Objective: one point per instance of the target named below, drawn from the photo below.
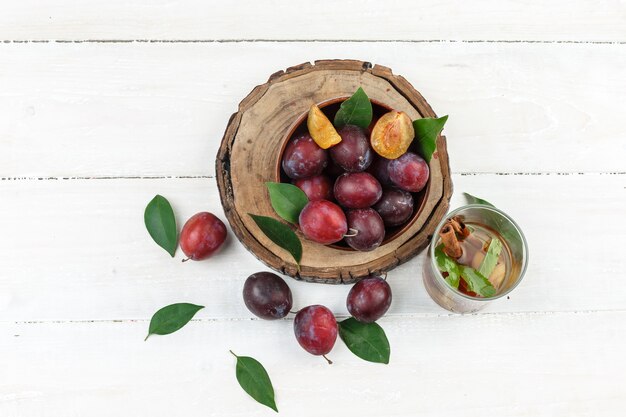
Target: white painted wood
(80, 277)
(532, 365)
(78, 249)
(160, 109)
(560, 20)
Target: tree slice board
(252, 143)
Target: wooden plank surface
(533, 365)
(112, 103)
(79, 250)
(161, 109)
(512, 20)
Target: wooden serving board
(251, 147)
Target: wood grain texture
(514, 20)
(531, 365)
(161, 109)
(78, 249)
(251, 151)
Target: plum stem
(353, 232)
(327, 360)
(185, 260)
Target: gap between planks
(186, 177)
(521, 41)
(337, 316)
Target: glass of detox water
(484, 257)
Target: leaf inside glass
(491, 257)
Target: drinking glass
(505, 228)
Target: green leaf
(476, 282)
(288, 200)
(280, 234)
(491, 257)
(475, 200)
(366, 340)
(426, 132)
(161, 223)
(507, 230)
(171, 318)
(449, 265)
(357, 110)
(254, 380)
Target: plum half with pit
(409, 172)
(202, 235)
(323, 222)
(353, 153)
(267, 296)
(369, 299)
(366, 229)
(303, 158)
(357, 190)
(315, 328)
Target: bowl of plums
(334, 171)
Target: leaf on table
(449, 265)
(509, 232)
(366, 340)
(426, 131)
(475, 200)
(161, 223)
(287, 200)
(172, 318)
(491, 258)
(280, 234)
(254, 380)
(357, 110)
(476, 282)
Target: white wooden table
(103, 106)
